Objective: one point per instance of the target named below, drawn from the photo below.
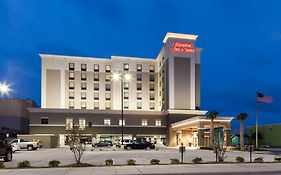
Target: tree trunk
(241, 134)
(212, 134)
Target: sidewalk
(275, 168)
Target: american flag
(263, 98)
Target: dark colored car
(6, 151)
(140, 145)
(103, 144)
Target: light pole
(4, 89)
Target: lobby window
(139, 105)
(151, 96)
(96, 86)
(151, 87)
(152, 106)
(126, 105)
(143, 122)
(139, 95)
(96, 77)
(158, 122)
(126, 95)
(96, 68)
(83, 105)
(151, 77)
(126, 66)
(83, 76)
(107, 87)
(96, 105)
(151, 68)
(83, 95)
(71, 66)
(71, 105)
(139, 67)
(83, 67)
(96, 95)
(71, 75)
(107, 105)
(126, 85)
(44, 120)
(139, 86)
(83, 86)
(139, 77)
(107, 96)
(71, 85)
(120, 122)
(90, 124)
(82, 124)
(69, 124)
(107, 121)
(71, 95)
(107, 77)
(107, 68)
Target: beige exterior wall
(53, 88)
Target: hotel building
(161, 100)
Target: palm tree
(241, 117)
(212, 115)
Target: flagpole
(257, 108)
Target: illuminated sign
(182, 47)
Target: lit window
(83, 86)
(152, 106)
(71, 75)
(151, 77)
(107, 77)
(126, 95)
(139, 67)
(83, 76)
(71, 105)
(107, 96)
(107, 105)
(83, 95)
(69, 124)
(126, 85)
(96, 67)
(151, 87)
(139, 77)
(139, 86)
(83, 67)
(83, 105)
(82, 123)
(139, 95)
(106, 122)
(144, 122)
(96, 95)
(107, 87)
(139, 105)
(120, 122)
(96, 77)
(96, 86)
(44, 120)
(157, 122)
(96, 105)
(151, 96)
(126, 66)
(71, 95)
(71, 85)
(107, 68)
(126, 105)
(151, 68)
(71, 66)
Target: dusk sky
(241, 41)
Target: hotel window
(151, 68)
(139, 105)
(126, 66)
(107, 87)
(139, 77)
(160, 93)
(83, 86)
(71, 75)
(157, 122)
(139, 95)
(96, 86)
(96, 67)
(151, 96)
(151, 87)
(107, 68)
(44, 120)
(107, 96)
(107, 105)
(71, 95)
(90, 124)
(143, 122)
(69, 124)
(139, 86)
(83, 95)
(96, 105)
(83, 67)
(96, 77)
(151, 77)
(126, 95)
(96, 95)
(83, 76)
(106, 121)
(160, 83)
(71, 105)
(152, 106)
(83, 105)
(126, 105)
(120, 122)
(71, 66)
(71, 85)
(82, 124)
(107, 77)
(139, 67)
(126, 85)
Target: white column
(192, 83)
(62, 89)
(171, 81)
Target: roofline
(179, 36)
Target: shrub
(24, 164)
(197, 160)
(240, 159)
(277, 159)
(175, 161)
(258, 160)
(206, 148)
(108, 162)
(131, 162)
(54, 163)
(243, 149)
(2, 165)
(154, 161)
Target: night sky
(241, 41)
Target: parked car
(15, 148)
(104, 143)
(6, 151)
(140, 145)
(125, 142)
(25, 144)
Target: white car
(125, 142)
(25, 144)
(15, 148)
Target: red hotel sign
(182, 47)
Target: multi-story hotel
(161, 97)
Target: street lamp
(123, 77)
(4, 89)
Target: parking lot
(97, 156)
